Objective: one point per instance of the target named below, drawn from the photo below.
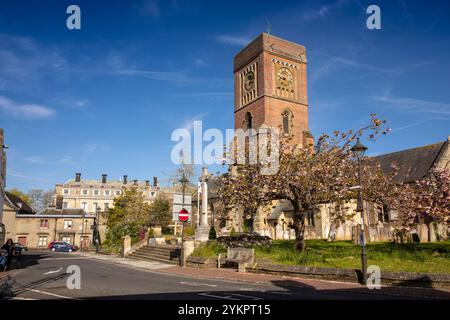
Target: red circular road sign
(183, 215)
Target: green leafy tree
(128, 215)
(160, 213)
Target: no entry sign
(183, 215)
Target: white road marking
(73, 258)
(53, 271)
(246, 296)
(252, 289)
(52, 294)
(198, 284)
(20, 298)
(214, 296)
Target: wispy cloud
(25, 111)
(203, 95)
(151, 8)
(415, 105)
(239, 41)
(189, 123)
(84, 153)
(333, 63)
(24, 62)
(13, 173)
(200, 62)
(35, 160)
(323, 11)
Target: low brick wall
(427, 280)
(407, 279)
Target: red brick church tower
(270, 87)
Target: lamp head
(359, 149)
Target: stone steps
(165, 254)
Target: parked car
(63, 247)
(19, 248)
(50, 245)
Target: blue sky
(106, 98)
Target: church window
(248, 120)
(287, 117)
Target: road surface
(43, 275)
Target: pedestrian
(3, 259)
(10, 249)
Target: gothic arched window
(248, 120)
(287, 121)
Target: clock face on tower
(249, 81)
(284, 79)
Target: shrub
(188, 231)
(244, 240)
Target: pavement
(45, 275)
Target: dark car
(19, 248)
(63, 247)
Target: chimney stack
(135, 182)
(147, 183)
(104, 178)
(155, 181)
(125, 179)
(77, 177)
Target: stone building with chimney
(90, 194)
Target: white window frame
(66, 193)
(65, 205)
(68, 224)
(42, 241)
(118, 192)
(83, 192)
(107, 193)
(96, 192)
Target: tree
(187, 169)
(21, 195)
(160, 213)
(427, 200)
(39, 198)
(127, 216)
(307, 177)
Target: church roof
(282, 206)
(413, 164)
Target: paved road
(43, 276)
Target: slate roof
(54, 211)
(413, 164)
(282, 206)
(18, 203)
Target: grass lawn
(410, 257)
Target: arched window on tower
(287, 121)
(248, 120)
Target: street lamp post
(358, 151)
(96, 239)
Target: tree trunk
(299, 226)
